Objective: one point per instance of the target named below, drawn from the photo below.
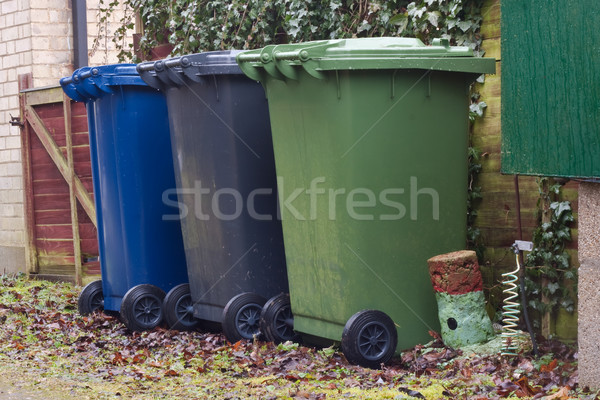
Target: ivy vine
(474, 239)
(204, 25)
(549, 258)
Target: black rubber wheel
(277, 320)
(241, 317)
(178, 309)
(141, 307)
(91, 298)
(369, 338)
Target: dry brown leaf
(562, 394)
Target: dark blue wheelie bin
(225, 171)
(141, 251)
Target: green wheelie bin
(370, 139)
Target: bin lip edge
(470, 65)
(201, 62)
(101, 77)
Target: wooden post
(72, 196)
(26, 82)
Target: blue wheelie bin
(141, 252)
(225, 172)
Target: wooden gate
(60, 217)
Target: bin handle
(78, 77)
(160, 64)
(87, 74)
(273, 62)
(245, 57)
(149, 66)
(287, 69)
(299, 55)
(177, 62)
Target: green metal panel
(551, 87)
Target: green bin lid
(283, 61)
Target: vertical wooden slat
(71, 182)
(25, 82)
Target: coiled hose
(511, 311)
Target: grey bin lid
(176, 71)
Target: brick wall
(36, 36)
(15, 59)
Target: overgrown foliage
(549, 259)
(46, 345)
(204, 25)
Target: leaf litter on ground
(47, 344)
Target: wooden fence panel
(62, 239)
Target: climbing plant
(549, 278)
(203, 25)
(474, 241)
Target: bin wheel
(241, 317)
(91, 298)
(277, 320)
(369, 338)
(141, 307)
(178, 309)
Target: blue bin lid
(89, 83)
(176, 71)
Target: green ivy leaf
(400, 20)
(434, 17)
(414, 11)
(465, 25)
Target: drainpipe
(80, 46)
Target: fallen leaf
(410, 392)
(549, 367)
(155, 364)
(562, 394)
(526, 390)
(117, 359)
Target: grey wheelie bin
(226, 193)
